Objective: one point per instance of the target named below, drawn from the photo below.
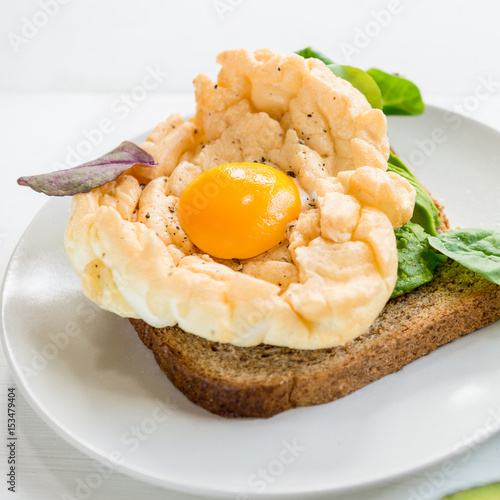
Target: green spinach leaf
(358, 78)
(425, 212)
(400, 96)
(361, 80)
(416, 260)
(475, 248)
(392, 94)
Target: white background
(82, 67)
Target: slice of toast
(264, 380)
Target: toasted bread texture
(264, 380)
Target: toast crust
(262, 381)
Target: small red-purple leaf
(90, 175)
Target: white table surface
(64, 81)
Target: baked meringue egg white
(269, 218)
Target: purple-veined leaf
(90, 175)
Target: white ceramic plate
(91, 379)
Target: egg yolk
(238, 210)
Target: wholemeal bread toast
(264, 380)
